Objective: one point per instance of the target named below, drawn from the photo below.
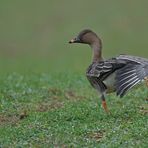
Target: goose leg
(146, 80)
(104, 105)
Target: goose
(118, 74)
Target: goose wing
(98, 72)
(133, 73)
(104, 68)
(136, 59)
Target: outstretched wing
(135, 59)
(130, 70)
(103, 69)
(98, 72)
(131, 74)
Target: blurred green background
(34, 34)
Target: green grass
(42, 110)
(45, 99)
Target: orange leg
(105, 106)
(146, 80)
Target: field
(45, 98)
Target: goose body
(117, 74)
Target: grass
(45, 99)
(53, 110)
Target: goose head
(86, 36)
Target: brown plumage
(117, 74)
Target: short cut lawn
(62, 110)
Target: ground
(43, 109)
